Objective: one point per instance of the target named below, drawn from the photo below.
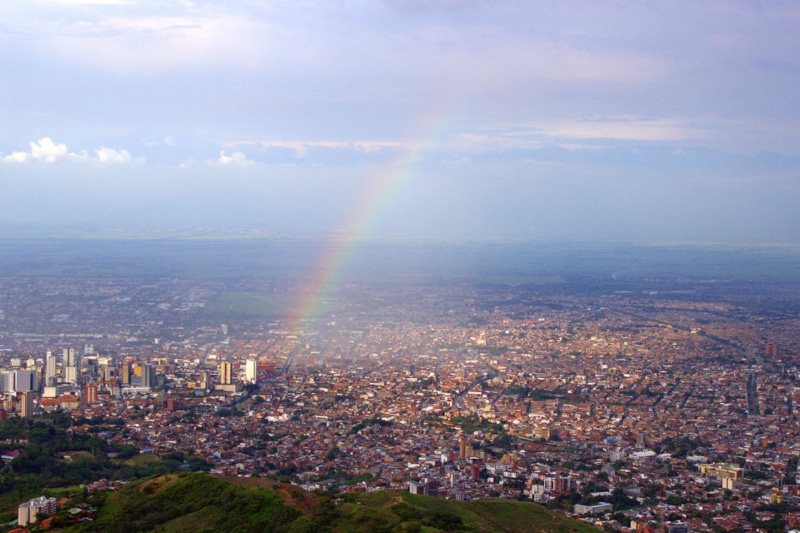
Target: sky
(630, 120)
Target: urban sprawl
(639, 405)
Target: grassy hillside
(204, 503)
(190, 502)
(401, 511)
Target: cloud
(622, 128)
(47, 151)
(109, 155)
(301, 148)
(235, 159)
(147, 40)
(591, 133)
(16, 157)
(43, 150)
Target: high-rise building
(171, 403)
(108, 373)
(225, 372)
(148, 375)
(50, 370)
(25, 380)
(70, 374)
(251, 371)
(90, 393)
(465, 448)
(126, 374)
(26, 404)
(70, 370)
(7, 381)
(772, 349)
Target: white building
(251, 371)
(599, 508)
(26, 513)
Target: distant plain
(294, 260)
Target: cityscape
(399, 266)
(628, 402)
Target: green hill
(204, 503)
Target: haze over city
(637, 121)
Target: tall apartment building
(26, 512)
(225, 373)
(26, 404)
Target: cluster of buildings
(685, 399)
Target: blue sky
(636, 120)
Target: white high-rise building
(251, 371)
(71, 374)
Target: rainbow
(374, 198)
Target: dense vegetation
(53, 454)
(190, 502)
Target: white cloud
(236, 158)
(43, 150)
(373, 146)
(109, 155)
(623, 128)
(581, 133)
(48, 151)
(16, 157)
(81, 157)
